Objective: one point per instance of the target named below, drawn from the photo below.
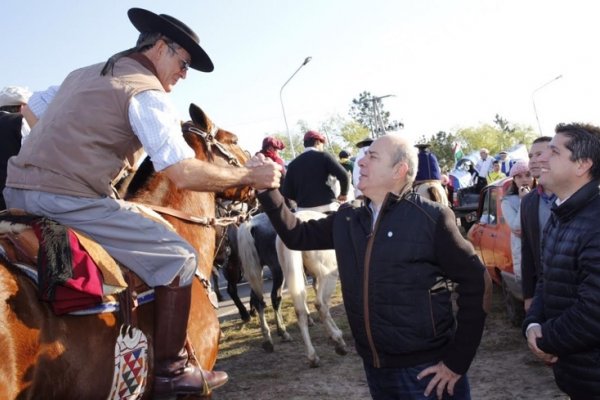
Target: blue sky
(448, 63)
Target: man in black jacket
(306, 180)
(563, 324)
(535, 211)
(396, 255)
(13, 128)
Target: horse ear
(198, 116)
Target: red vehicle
(490, 235)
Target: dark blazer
(531, 263)
(10, 137)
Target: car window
(489, 212)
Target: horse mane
(140, 178)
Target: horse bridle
(210, 139)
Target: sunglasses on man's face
(183, 63)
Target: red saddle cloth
(68, 277)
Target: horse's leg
(291, 264)
(325, 290)
(215, 279)
(276, 291)
(253, 273)
(233, 293)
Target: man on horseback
(93, 129)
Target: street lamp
(533, 100)
(306, 60)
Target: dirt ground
(503, 369)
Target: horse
(256, 248)
(322, 266)
(432, 190)
(227, 259)
(72, 357)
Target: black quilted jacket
(399, 311)
(567, 298)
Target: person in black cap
(98, 121)
(346, 162)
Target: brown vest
(84, 139)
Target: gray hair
(405, 152)
(145, 41)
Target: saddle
(72, 271)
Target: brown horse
(72, 357)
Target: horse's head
(218, 146)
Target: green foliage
(501, 136)
(362, 111)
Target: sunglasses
(184, 64)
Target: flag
(457, 150)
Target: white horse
(322, 266)
(432, 190)
(256, 248)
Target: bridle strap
(211, 141)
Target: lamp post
(533, 100)
(306, 60)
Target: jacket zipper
(376, 362)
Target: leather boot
(172, 372)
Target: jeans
(402, 384)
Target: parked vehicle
(490, 235)
(465, 195)
(466, 190)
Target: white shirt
(483, 167)
(154, 121)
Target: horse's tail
(248, 255)
(434, 194)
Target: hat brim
(364, 143)
(147, 21)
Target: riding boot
(172, 372)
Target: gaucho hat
(180, 33)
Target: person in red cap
(306, 180)
(95, 126)
(270, 149)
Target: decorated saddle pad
(74, 272)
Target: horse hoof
(341, 349)
(268, 347)
(316, 363)
(286, 337)
(310, 321)
(245, 317)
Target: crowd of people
(399, 254)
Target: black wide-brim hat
(177, 31)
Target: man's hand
(533, 333)
(264, 173)
(444, 379)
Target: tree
(368, 111)
(501, 136)
(442, 144)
